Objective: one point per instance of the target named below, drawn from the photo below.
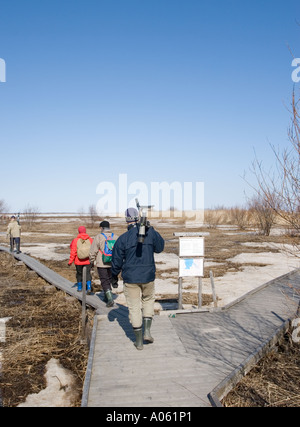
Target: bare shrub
(3, 206)
(281, 188)
(3, 210)
(212, 218)
(93, 216)
(239, 216)
(263, 213)
(30, 215)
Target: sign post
(191, 262)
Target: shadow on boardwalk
(196, 357)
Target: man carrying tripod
(134, 257)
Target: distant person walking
(103, 262)
(136, 262)
(79, 254)
(14, 234)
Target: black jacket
(134, 259)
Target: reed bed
(45, 323)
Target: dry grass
(43, 325)
(273, 382)
(46, 325)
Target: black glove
(114, 281)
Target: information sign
(191, 267)
(191, 246)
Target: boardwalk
(58, 281)
(192, 354)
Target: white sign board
(191, 267)
(191, 246)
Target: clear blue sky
(160, 90)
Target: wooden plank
(58, 281)
(135, 371)
(191, 353)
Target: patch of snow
(46, 234)
(60, 390)
(46, 251)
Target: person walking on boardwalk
(102, 259)
(136, 262)
(14, 234)
(79, 254)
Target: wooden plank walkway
(58, 281)
(192, 352)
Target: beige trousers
(140, 299)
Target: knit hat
(81, 229)
(131, 215)
(104, 224)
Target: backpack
(83, 248)
(108, 247)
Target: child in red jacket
(79, 253)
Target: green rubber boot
(147, 322)
(138, 332)
(109, 299)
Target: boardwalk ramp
(192, 354)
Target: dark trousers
(79, 269)
(13, 241)
(105, 278)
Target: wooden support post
(199, 292)
(213, 288)
(83, 318)
(180, 293)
